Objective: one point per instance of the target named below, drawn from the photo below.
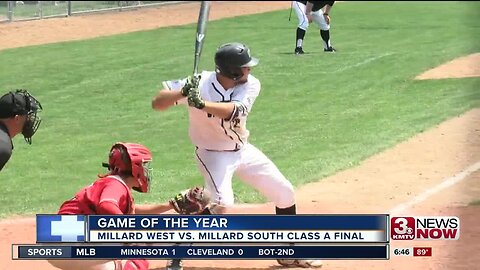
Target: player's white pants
(319, 19)
(302, 17)
(252, 167)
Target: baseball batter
(219, 103)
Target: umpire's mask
(31, 108)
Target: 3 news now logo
(425, 228)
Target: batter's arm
(244, 100)
(165, 99)
(221, 110)
(240, 105)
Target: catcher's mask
(134, 160)
(21, 102)
(230, 58)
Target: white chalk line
(445, 183)
(366, 61)
(313, 72)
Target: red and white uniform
(110, 189)
(106, 189)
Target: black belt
(211, 150)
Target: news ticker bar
(43, 252)
(213, 228)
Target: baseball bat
(200, 37)
(291, 7)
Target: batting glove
(195, 100)
(192, 82)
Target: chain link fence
(32, 10)
(4, 8)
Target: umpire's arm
(5, 153)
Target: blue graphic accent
(60, 228)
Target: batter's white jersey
(222, 144)
(210, 132)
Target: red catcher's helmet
(132, 159)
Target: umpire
(18, 114)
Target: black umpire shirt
(317, 5)
(6, 146)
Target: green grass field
(317, 113)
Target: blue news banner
(213, 229)
(352, 237)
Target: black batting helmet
(231, 57)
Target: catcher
(129, 168)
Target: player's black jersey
(303, 2)
(317, 5)
(6, 146)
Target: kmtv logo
(425, 228)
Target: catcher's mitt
(191, 201)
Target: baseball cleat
(299, 50)
(300, 263)
(174, 264)
(330, 49)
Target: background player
(110, 194)
(18, 114)
(219, 103)
(318, 12)
(300, 7)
